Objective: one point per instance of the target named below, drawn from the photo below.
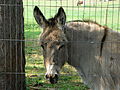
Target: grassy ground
(35, 76)
(34, 61)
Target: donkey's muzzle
(52, 79)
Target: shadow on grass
(38, 84)
(35, 68)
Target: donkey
(79, 3)
(93, 49)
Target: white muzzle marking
(51, 70)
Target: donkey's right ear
(39, 17)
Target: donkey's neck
(82, 37)
(84, 46)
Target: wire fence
(104, 12)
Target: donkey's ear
(39, 17)
(60, 17)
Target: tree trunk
(12, 58)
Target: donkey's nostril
(54, 79)
(46, 76)
(56, 76)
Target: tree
(12, 58)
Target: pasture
(102, 12)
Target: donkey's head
(53, 42)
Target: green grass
(34, 61)
(95, 13)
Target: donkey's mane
(86, 21)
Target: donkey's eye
(61, 47)
(42, 46)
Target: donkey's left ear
(39, 17)
(60, 17)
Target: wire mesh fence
(104, 12)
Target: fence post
(12, 58)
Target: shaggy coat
(93, 49)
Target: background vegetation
(105, 13)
